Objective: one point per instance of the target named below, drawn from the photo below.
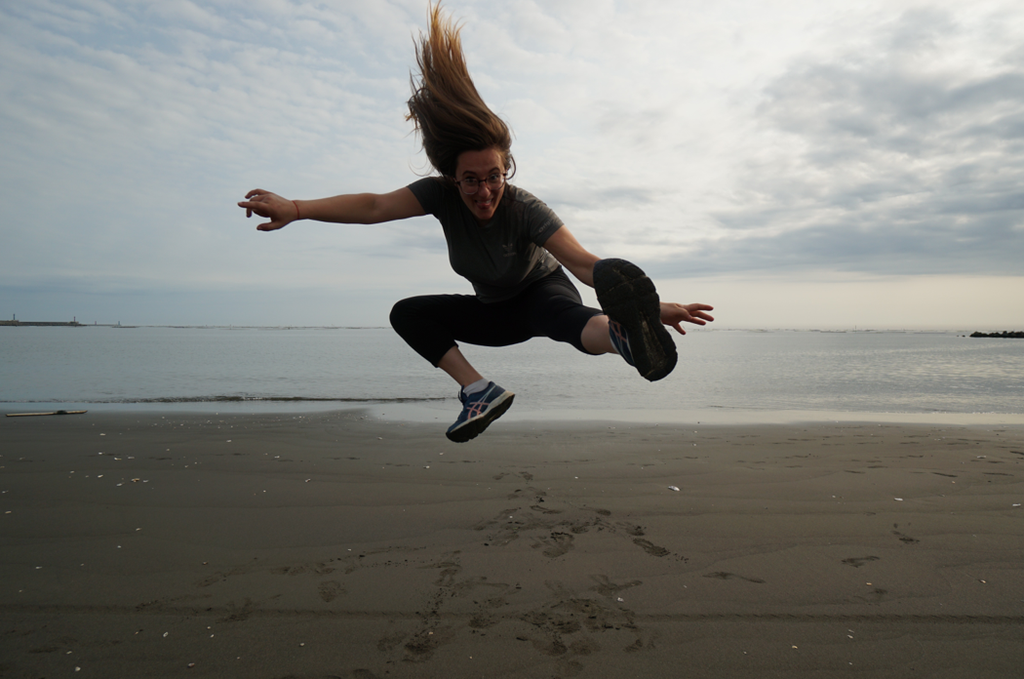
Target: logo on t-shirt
(510, 249)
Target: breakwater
(69, 324)
(1016, 334)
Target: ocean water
(742, 375)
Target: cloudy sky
(795, 163)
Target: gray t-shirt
(505, 255)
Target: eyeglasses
(471, 185)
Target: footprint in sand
(481, 621)
(555, 546)
(301, 569)
(606, 587)
(363, 674)
(544, 510)
(221, 576)
(722, 575)
(905, 539)
(238, 613)
(858, 561)
(650, 547)
(579, 527)
(331, 590)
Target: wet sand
(336, 545)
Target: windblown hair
(445, 107)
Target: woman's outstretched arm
(353, 208)
(570, 254)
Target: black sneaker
(628, 296)
(479, 409)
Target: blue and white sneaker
(479, 409)
(620, 340)
(628, 296)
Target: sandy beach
(338, 545)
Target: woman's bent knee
(403, 314)
(414, 322)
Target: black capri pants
(550, 307)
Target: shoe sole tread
(628, 296)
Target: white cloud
(892, 161)
(712, 139)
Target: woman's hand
(278, 210)
(673, 314)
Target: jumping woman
(507, 243)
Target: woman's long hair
(445, 106)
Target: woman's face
(480, 165)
